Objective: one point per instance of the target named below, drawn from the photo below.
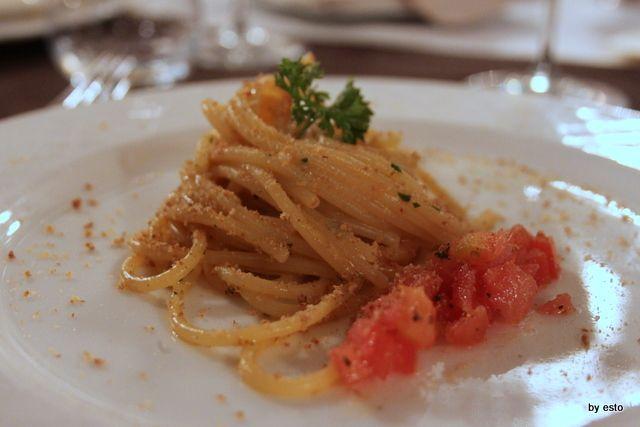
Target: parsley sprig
(349, 113)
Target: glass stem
(545, 61)
(239, 10)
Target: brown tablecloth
(29, 80)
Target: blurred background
(78, 52)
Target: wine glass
(544, 79)
(128, 44)
(227, 39)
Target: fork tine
(123, 84)
(72, 97)
(108, 77)
(97, 86)
(117, 84)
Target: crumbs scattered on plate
(98, 362)
(74, 300)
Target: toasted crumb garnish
(145, 405)
(92, 202)
(149, 328)
(88, 186)
(75, 300)
(54, 353)
(68, 275)
(27, 273)
(586, 342)
(239, 415)
(26, 294)
(118, 242)
(95, 361)
(11, 255)
(90, 246)
(76, 203)
(49, 229)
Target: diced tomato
(520, 237)
(560, 305)
(510, 291)
(482, 249)
(464, 288)
(542, 252)
(421, 276)
(446, 310)
(372, 351)
(469, 329)
(454, 295)
(271, 103)
(387, 337)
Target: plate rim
(187, 91)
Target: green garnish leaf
(404, 197)
(396, 167)
(349, 113)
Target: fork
(108, 76)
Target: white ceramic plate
(537, 373)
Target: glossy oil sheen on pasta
(303, 229)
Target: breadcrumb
(90, 246)
(586, 342)
(75, 300)
(92, 202)
(68, 275)
(54, 353)
(118, 242)
(11, 255)
(27, 273)
(239, 415)
(91, 359)
(26, 294)
(149, 328)
(145, 405)
(88, 186)
(76, 203)
(221, 398)
(49, 229)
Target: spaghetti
(302, 228)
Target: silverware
(108, 76)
